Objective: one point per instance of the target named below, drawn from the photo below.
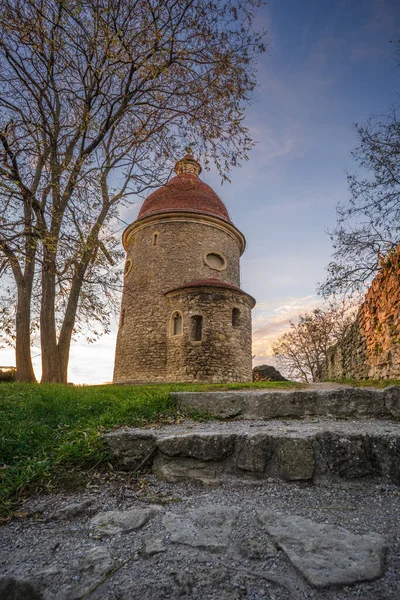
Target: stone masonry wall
(224, 352)
(152, 270)
(371, 348)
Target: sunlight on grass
(49, 431)
(51, 434)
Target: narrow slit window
(197, 328)
(122, 317)
(235, 317)
(177, 324)
(155, 239)
(128, 267)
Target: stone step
(307, 449)
(344, 402)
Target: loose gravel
(52, 546)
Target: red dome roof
(184, 193)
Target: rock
(348, 457)
(185, 468)
(95, 566)
(113, 522)
(71, 511)
(267, 373)
(152, 544)
(8, 373)
(205, 446)
(13, 588)
(384, 454)
(324, 554)
(392, 400)
(296, 459)
(207, 527)
(133, 448)
(353, 402)
(256, 404)
(253, 451)
(225, 405)
(97, 562)
(302, 449)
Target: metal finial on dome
(188, 164)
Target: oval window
(215, 261)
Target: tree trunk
(64, 342)
(23, 357)
(55, 356)
(51, 372)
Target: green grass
(50, 434)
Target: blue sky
(328, 65)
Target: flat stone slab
(341, 402)
(324, 554)
(206, 527)
(306, 449)
(112, 522)
(94, 566)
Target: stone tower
(183, 315)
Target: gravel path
(54, 550)
(306, 427)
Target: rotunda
(183, 317)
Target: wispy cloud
(272, 320)
(275, 142)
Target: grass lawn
(50, 434)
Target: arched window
(235, 317)
(197, 328)
(176, 325)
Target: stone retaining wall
(294, 451)
(371, 348)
